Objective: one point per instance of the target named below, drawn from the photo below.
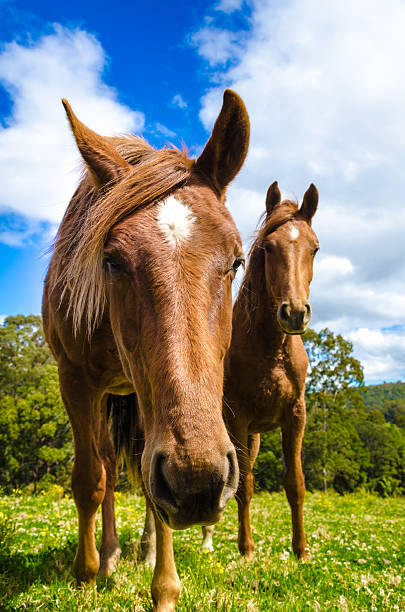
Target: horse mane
(253, 288)
(78, 272)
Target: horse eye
(315, 251)
(111, 265)
(237, 263)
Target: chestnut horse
(138, 298)
(266, 365)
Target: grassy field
(357, 545)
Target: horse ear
(309, 203)
(104, 163)
(227, 147)
(273, 197)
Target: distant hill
(388, 398)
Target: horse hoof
(164, 607)
(165, 596)
(85, 578)
(247, 552)
(248, 556)
(301, 556)
(148, 554)
(150, 560)
(109, 562)
(301, 552)
(85, 570)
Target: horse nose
(294, 318)
(186, 496)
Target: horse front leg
(166, 585)
(207, 543)
(110, 547)
(148, 539)
(294, 483)
(88, 474)
(247, 454)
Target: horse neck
(255, 324)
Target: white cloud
(165, 131)
(229, 6)
(382, 353)
(179, 101)
(15, 230)
(215, 45)
(37, 152)
(332, 266)
(323, 84)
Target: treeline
(389, 399)
(355, 435)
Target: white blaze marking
(294, 233)
(175, 220)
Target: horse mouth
(294, 332)
(291, 331)
(178, 521)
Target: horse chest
(273, 395)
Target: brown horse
(138, 298)
(266, 365)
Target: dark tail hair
(126, 428)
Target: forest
(355, 434)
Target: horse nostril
(285, 311)
(231, 481)
(159, 485)
(308, 312)
(233, 475)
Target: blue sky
(323, 84)
(149, 52)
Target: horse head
(156, 258)
(290, 244)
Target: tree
(35, 435)
(332, 449)
(333, 368)
(389, 399)
(385, 444)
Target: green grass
(356, 542)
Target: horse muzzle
(192, 495)
(294, 319)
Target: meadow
(357, 549)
